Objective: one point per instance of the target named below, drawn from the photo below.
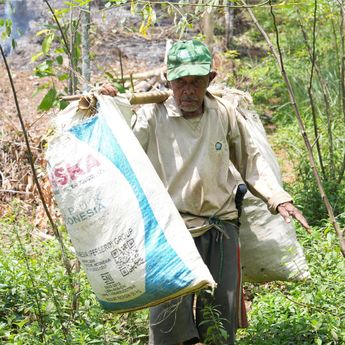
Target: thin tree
(85, 45)
(279, 58)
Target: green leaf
(318, 341)
(48, 100)
(8, 27)
(63, 104)
(44, 69)
(119, 87)
(22, 323)
(59, 50)
(47, 42)
(59, 59)
(40, 88)
(35, 57)
(63, 76)
(41, 32)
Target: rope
(219, 225)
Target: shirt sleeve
(141, 128)
(252, 165)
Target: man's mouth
(189, 100)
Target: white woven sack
(127, 233)
(269, 247)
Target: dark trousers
(175, 321)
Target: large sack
(269, 247)
(127, 233)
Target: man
(191, 139)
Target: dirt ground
(109, 36)
(112, 32)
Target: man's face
(189, 94)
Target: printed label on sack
(115, 259)
(113, 212)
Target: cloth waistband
(209, 223)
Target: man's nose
(189, 90)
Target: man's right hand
(108, 90)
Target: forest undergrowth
(38, 306)
(40, 303)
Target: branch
(278, 56)
(31, 162)
(189, 4)
(68, 49)
(311, 97)
(60, 29)
(342, 53)
(85, 47)
(342, 171)
(325, 92)
(14, 191)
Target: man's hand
(108, 90)
(287, 210)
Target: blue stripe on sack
(166, 273)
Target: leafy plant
(309, 312)
(216, 333)
(313, 64)
(35, 299)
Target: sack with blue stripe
(126, 231)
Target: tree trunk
(85, 46)
(208, 28)
(229, 25)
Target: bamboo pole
(140, 97)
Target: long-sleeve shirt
(192, 157)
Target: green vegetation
(41, 304)
(37, 304)
(309, 312)
(36, 301)
(312, 63)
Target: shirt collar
(174, 111)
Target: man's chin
(189, 109)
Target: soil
(113, 34)
(109, 35)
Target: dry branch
(311, 52)
(31, 162)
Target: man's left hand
(287, 210)
(108, 90)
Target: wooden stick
(14, 191)
(148, 97)
(139, 97)
(134, 98)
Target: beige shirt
(192, 158)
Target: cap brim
(185, 70)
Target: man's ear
(212, 75)
(166, 78)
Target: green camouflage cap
(188, 58)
